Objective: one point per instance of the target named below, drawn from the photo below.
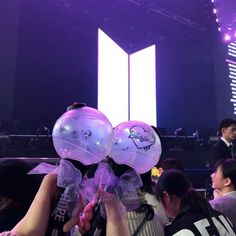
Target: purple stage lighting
(231, 61)
(226, 14)
(227, 37)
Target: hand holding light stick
(81, 136)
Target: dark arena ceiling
(134, 22)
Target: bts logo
(126, 83)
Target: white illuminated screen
(126, 84)
(112, 79)
(143, 85)
(232, 72)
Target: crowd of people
(169, 207)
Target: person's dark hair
(16, 184)
(156, 130)
(228, 168)
(148, 185)
(119, 169)
(17, 191)
(174, 182)
(225, 123)
(171, 163)
(194, 202)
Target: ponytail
(194, 202)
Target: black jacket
(188, 223)
(220, 151)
